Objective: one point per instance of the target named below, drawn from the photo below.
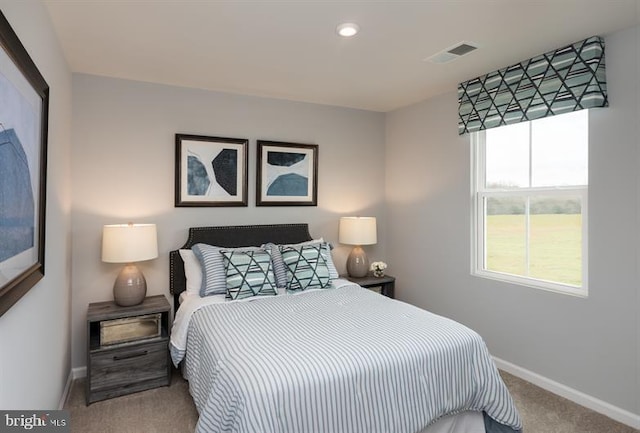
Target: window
(530, 202)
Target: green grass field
(555, 246)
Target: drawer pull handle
(129, 356)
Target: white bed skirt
(465, 422)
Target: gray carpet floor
(171, 410)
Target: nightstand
(127, 348)
(383, 285)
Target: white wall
(123, 170)
(35, 332)
(587, 344)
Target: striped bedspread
(336, 360)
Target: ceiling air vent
(452, 53)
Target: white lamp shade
(358, 231)
(128, 243)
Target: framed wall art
(24, 115)
(211, 171)
(287, 174)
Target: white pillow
(192, 272)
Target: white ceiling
(289, 49)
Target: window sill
(563, 289)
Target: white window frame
(478, 229)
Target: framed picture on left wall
(24, 111)
(211, 171)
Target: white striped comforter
(333, 361)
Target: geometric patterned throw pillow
(249, 273)
(280, 269)
(306, 267)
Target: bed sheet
(335, 360)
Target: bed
(325, 360)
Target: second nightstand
(383, 285)
(127, 347)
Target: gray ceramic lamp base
(357, 263)
(130, 287)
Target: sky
(559, 153)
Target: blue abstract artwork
(17, 207)
(19, 174)
(291, 184)
(225, 170)
(197, 180)
(288, 174)
(212, 171)
(24, 113)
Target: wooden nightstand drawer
(140, 360)
(128, 365)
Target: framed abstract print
(211, 171)
(24, 115)
(287, 174)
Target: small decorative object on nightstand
(384, 285)
(378, 269)
(127, 348)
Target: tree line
(537, 206)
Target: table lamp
(357, 231)
(129, 243)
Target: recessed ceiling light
(347, 30)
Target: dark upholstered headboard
(231, 236)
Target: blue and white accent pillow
(248, 274)
(280, 269)
(214, 275)
(306, 267)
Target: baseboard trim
(79, 372)
(597, 405)
(65, 391)
(75, 373)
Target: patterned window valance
(564, 80)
